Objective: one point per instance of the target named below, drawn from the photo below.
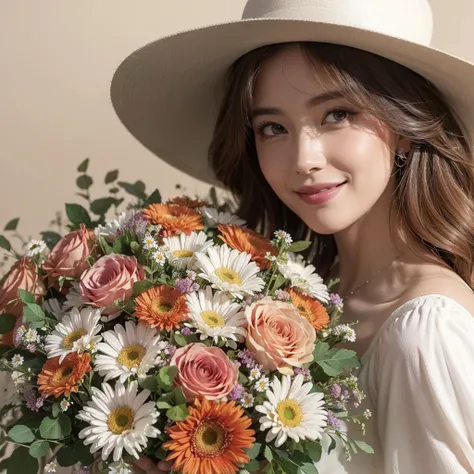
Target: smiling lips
(319, 193)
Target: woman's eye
(271, 129)
(337, 116)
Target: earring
(400, 157)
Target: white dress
(418, 374)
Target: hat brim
(167, 93)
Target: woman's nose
(309, 155)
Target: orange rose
(69, 256)
(23, 275)
(278, 336)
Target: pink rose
(204, 372)
(69, 256)
(110, 280)
(278, 336)
(23, 275)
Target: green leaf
(67, 456)
(39, 449)
(5, 243)
(141, 286)
(335, 361)
(165, 377)
(25, 296)
(21, 462)
(13, 224)
(105, 247)
(83, 453)
(120, 245)
(178, 413)
(162, 405)
(153, 198)
(136, 189)
(82, 168)
(252, 466)
(7, 322)
(77, 214)
(84, 182)
(21, 434)
(51, 238)
(254, 451)
(267, 452)
(102, 205)
(55, 428)
(299, 246)
(314, 450)
(148, 383)
(180, 339)
(55, 410)
(135, 247)
(179, 396)
(111, 176)
(34, 314)
(364, 447)
(280, 281)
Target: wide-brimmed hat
(167, 93)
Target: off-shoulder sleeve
(424, 369)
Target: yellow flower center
(120, 420)
(183, 253)
(131, 356)
(229, 276)
(210, 439)
(161, 306)
(72, 337)
(213, 319)
(290, 413)
(61, 375)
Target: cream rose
(279, 338)
(204, 372)
(69, 256)
(23, 275)
(110, 280)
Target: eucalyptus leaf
(7, 323)
(5, 243)
(364, 447)
(335, 361)
(39, 448)
(165, 377)
(84, 181)
(21, 462)
(13, 224)
(34, 315)
(55, 428)
(25, 296)
(21, 434)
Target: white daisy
(54, 306)
(213, 217)
(73, 298)
(17, 361)
(230, 270)
(64, 405)
(183, 247)
(120, 467)
(292, 412)
(216, 316)
(262, 384)
(112, 228)
(50, 467)
(35, 247)
(304, 277)
(149, 242)
(119, 419)
(345, 331)
(77, 332)
(127, 351)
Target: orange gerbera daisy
(311, 309)
(58, 379)
(211, 440)
(247, 240)
(174, 219)
(187, 202)
(161, 307)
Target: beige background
(57, 59)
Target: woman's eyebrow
(312, 102)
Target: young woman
(333, 127)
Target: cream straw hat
(167, 93)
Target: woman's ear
(404, 145)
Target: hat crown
(411, 20)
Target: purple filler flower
(237, 393)
(186, 286)
(33, 402)
(334, 422)
(336, 300)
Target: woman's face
(327, 161)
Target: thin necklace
(366, 282)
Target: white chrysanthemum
(119, 419)
(35, 247)
(213, 217)
(183, 247)
(120, 467)
(230, 270)
(129, 350)
(292, 412)
(77, 332)
(304, 277)
(114, 226)
(216, 316)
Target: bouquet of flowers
(172, 331)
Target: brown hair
(435, 184)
